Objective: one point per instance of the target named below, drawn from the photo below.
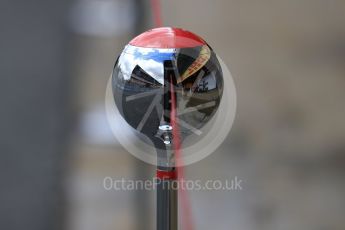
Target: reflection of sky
(211, 81)
(149, 59)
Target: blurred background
(287, 143)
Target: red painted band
(166, 175)
(167, 37)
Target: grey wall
(34, 113)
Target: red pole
(157, 13)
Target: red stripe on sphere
(167, 37)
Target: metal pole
(167, 204)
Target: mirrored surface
(142, 80)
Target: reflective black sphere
(142, 83)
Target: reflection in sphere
(142, 80)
